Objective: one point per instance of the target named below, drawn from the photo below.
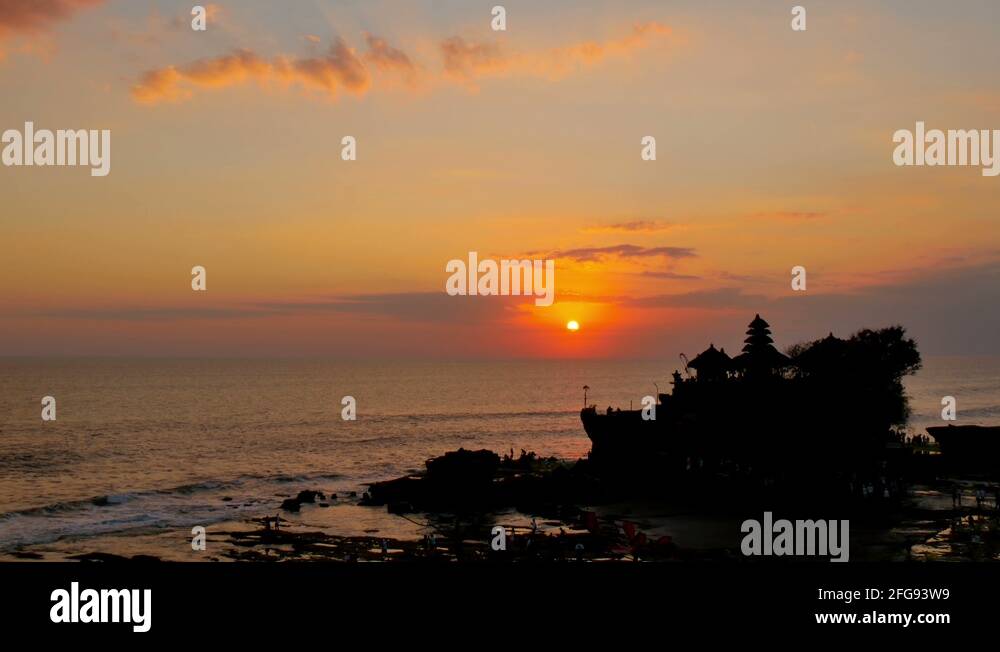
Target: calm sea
(153, 444)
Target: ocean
(144, 445)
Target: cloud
(340, 69)
(411, 306)
(467, 61)
(669, 275)
(147, 313)
(344, 68)
(386, 58)
(462, 59)
(213, 12)
(716, 299)
(744, 278)
(648, 226)
(575, 296)
(947, 310)
(36, 16)
(427, 307)
(590, 254)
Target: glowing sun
(573, 325)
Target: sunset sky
(774, 149)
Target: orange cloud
(631, 227)
(463, 59)
(468, 61)
(387, 58)
(37, 15)
(592, 254)
(341, 68)
(213, 12)
(34, 16)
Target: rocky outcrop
(307, 496)
(478, 481)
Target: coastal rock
(480, 481)
(392, 491)
(309, 496)
(463, 467)
(306, 496)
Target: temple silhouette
(758, 359)
(827, 412)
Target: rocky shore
(477, 506)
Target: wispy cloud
(720, 298)
(343, 68)
(408, 306)
(405, 306)
(591, 254)
(745, 278)
(944, 310)
(469, 61)
(387, 58)
(674, 276)
(340, 69)
(636, 226)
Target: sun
(573, 325)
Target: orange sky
(773, 150)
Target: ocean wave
(38, 460)
(444, 416)
(987, 415)
(188, 489)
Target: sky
(774, 150)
